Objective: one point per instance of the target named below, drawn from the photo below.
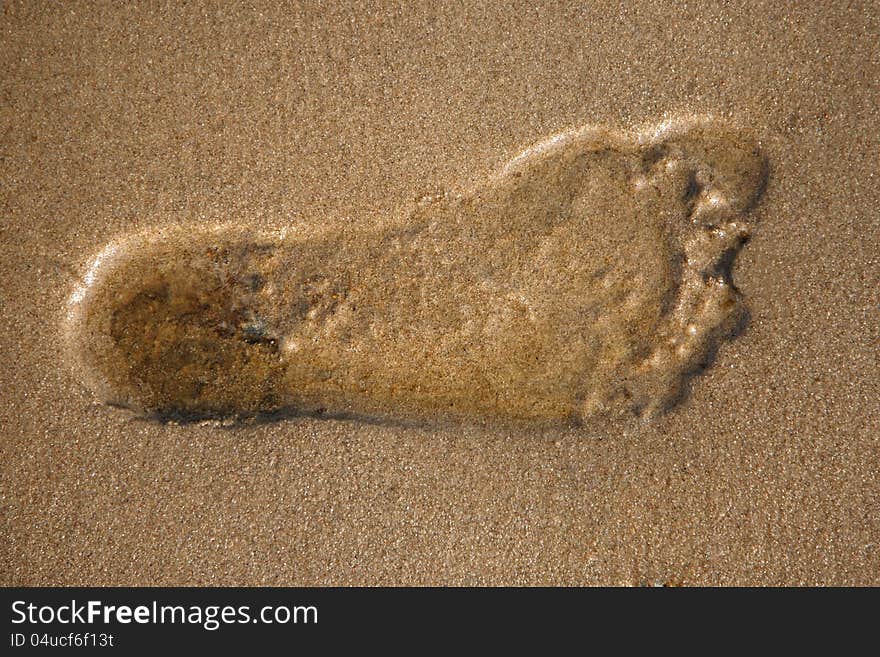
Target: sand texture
(376, 294)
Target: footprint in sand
(590, 275)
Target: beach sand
(120, 121)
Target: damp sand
(335, 200)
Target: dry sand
(118, 120)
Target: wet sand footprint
(590, 275)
